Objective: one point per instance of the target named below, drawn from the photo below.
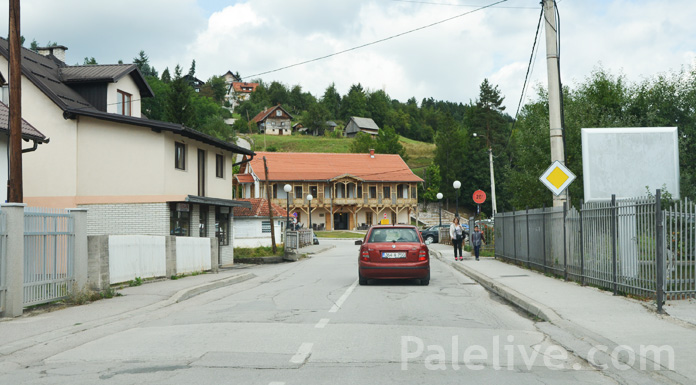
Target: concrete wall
(248, 232)
(192, 254)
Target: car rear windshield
(393, 235)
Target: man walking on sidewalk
(476, 240)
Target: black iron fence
(629, 246)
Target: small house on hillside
(273, 121)
(252, 226)
(357, 124)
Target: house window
(298, 192)
(360, 191)
(275, 192)
(313, 191)
(265, 227)
(368, 218)
(279, 113)
(327, 192)
(373, 192)
(123, 103)
(414, 193)
(340, 190)
(219, 166)
(180, 156)
(387, 192)
(222, 225)
(5, 94)
(179, 219)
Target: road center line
(322, 322)
(302, 354)
(343, 298)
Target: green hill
(420, 154)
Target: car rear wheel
(425, 281)
(362, 281)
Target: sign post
(479, 198)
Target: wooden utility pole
(14, 183)
(554, 79)
(270, 207)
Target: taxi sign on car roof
(557, 178)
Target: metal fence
(49, 253)
(3, 260)
(614, 245)
(297, 239)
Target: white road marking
(343, 298)
(302, 353)
(322, 322)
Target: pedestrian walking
(456, 234)
(477, 239)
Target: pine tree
(179, 108)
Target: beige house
(349, 191)
(135, 175)
(274, 121)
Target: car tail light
(423, 255)
(364, 254)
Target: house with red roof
(252, 226)
(273, 121)
(237, 91)
(349, 191)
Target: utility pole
(270, 208)
(554, 80)
(490, 159)
(14, 183)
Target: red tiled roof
(244, 178)
(302, 166)
(240, 86)
(263, 114)
(259, 208)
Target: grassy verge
(241, 253)
(483, 253)
(338, 234)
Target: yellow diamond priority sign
(557, 178)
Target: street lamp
(287, 189)
(439, 198)
(309, 199)
(457, 184)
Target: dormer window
(123, 103)
(279, 113)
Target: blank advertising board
(623, 161)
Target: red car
(393, 252)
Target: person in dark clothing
(477, 239)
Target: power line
(529, 66)
(453, 5)
(377, 41)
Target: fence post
(659, 252)
(543, 236)
(613, 244)
(582, 248)
(565, 241)
(80, 261)
(526, 211)
(14, 274)
(514, 234)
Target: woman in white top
(457, 235)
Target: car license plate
(393, 255)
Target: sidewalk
(593, 323)
(42, 325)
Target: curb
(518, 299)
(184, 294)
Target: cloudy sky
(448, 61)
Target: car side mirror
(358, 243)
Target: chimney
(372, 153)
(58, 51)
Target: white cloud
(448, 61)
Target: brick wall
(128, 218)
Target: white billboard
(623, 161)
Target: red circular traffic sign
(479, 196)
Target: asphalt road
(309, 322)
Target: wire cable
(454, 5)
(376, 41)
